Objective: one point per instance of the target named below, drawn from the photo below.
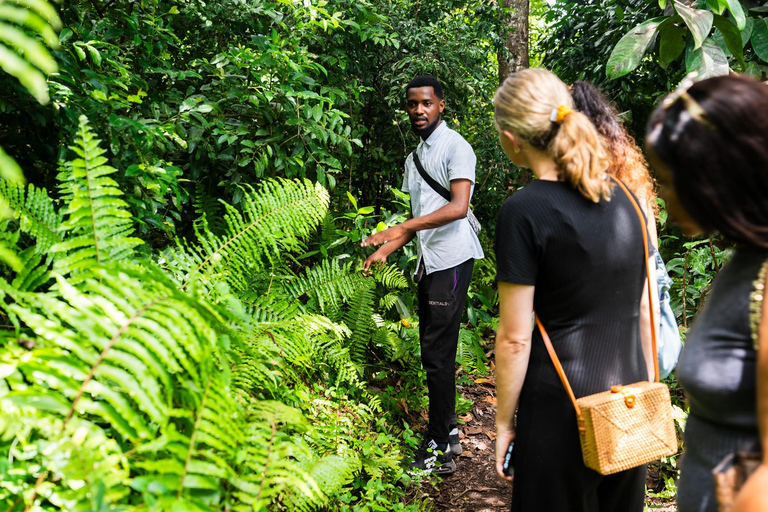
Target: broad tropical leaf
(629, 51)
(732, 38)
(671, 43)
(699, 22)
(760, 38)
(737, 11)
(708, 61)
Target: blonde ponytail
(524, 104)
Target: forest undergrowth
(183, 188)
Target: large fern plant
(182, 383)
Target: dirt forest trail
(475, 487)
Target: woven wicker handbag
(628, 425)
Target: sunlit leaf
(629, 51)
(699, 22)
(732, 37)
(737, 11)
(708, 60)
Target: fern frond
(275, 219)
(270, 308)
(209, 208)
(22, 55)
(271, 457)
(390, 276)
(359, 319)
(98, 223)
(326, 285)
(35, 211)
(113, 344)
(9, 249)
(331, 473)
(469, 353)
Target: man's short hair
(426, 81)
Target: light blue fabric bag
(668, 338)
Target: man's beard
(424, 133)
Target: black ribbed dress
(586, 261)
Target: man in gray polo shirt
(447, 247)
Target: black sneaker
(431, 460)
(453, 441)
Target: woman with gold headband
(569, 246)
(709, 146)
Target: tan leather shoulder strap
(646, 254)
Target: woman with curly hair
(627, 161)
(629, 166)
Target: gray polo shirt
(445, 156)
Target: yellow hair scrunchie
(558, 114)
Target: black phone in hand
(508, 468)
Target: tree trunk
(516, 39)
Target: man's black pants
(442, 296)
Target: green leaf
(708, 60)
(746, 33)
(352, 200)
(9, 169)
(32, 79)
(30, 20)
(717, 6)
(95, 54)
(756, 70)
(698, 21)
(760, 38)
(33, 50)
(44, 9)
(662, 4)
(732, 37)
(737, 11)
(629, 51)
(671, 43)
(762, 8)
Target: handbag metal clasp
(629, 397)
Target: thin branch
(40, 479)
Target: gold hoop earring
(516, 149)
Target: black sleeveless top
(717, 370)
(586, 261)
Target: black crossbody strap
(429, 179)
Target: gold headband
(692, 106)
(558, 114)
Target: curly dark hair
(627, 161)
(426, 81)
(715, 144)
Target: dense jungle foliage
(184, 189)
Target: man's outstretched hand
(390, 240)
(382, 237)
(378, 258)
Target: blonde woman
(568, 246)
